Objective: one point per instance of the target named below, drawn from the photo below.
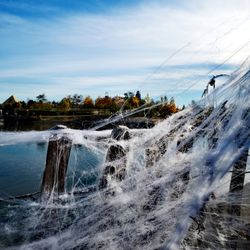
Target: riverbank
(74, 122)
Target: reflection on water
(22, 167)
(38, 125)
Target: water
(22, 167)
(42, 125)
(173, 192)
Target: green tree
(138, 95)
(23, 104)
(41, 98)
(76, 99)
(128, 95)
(65, 104)
(30, 103)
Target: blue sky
(62, 47)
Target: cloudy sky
(62, 47)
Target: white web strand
(153, 206)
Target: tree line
(128, 101)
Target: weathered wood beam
(116, 158)
(56, 165)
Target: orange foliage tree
(168, 108)
(135, 102)
(104, 102)
(88, 102)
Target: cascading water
(173, 195)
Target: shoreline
(75, 122)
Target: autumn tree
(168, 108)
(135, 102)
(88, 102)
(172, 105)
(131, 101)
(65, 104)
(104, 102)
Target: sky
(90, 47)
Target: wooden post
(56, 165)
(115, 158)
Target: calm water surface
(22, 167)
(22, 164)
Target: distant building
(10, 101)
